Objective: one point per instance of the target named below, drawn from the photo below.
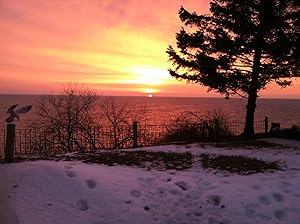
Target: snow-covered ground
(71, 192)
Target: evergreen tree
(239, 48)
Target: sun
(149, 76)
(147, 79)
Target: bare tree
(78, 121)
(67, 119)
(118, 117)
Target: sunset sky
(115, 46)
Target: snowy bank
(62, 192)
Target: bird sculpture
(15, 113)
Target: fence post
(135, 134)
(10, 142)
(266, 125)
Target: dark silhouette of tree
(68, 118)
(239, 48)
(119, 117)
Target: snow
(60, 192)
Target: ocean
(160, 110)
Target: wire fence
(35, 142)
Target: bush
(289, 133)
(190, 127)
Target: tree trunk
(249, 125)
(254, 84)
(252, 94)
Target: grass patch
(170, 160)
(142, 159)
(237, 164)
(249, 144)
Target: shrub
(289, 133)
(191, 127)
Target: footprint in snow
(135, 193)
(280, 214)
(214, 200)
(183, 185)
(278, 197)
(168, 179)
(161, 191)
(82, 205)
(198, 214)
(175, 192)
(90, 183)
(256, 187)
(250, 211)
(263, 199)
(70, 173)
(296, 195)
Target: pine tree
(239, 48)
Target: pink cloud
(80, 40)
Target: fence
(34, 142)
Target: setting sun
(150, 76)
(152, 112)
(114, 47)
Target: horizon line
(158, 96)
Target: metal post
(266, 125)
(135, 134)
(10, 142)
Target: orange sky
(115, 46)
